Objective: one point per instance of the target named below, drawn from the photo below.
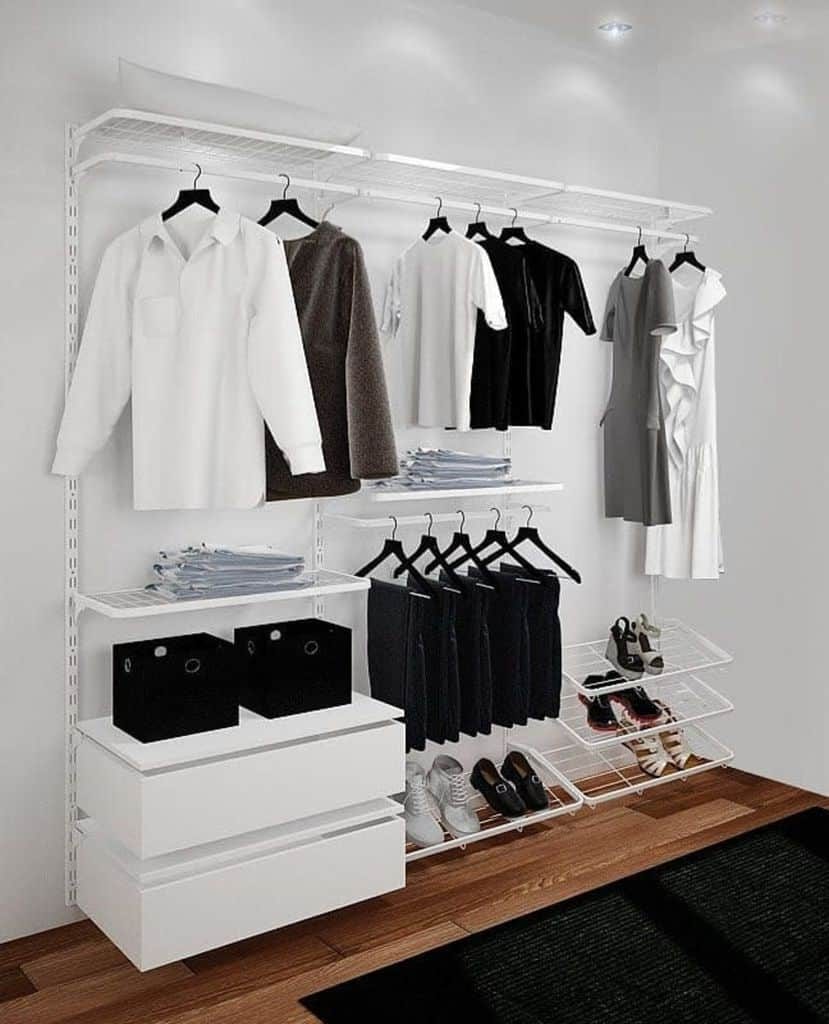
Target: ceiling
(665, 28)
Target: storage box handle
(192, 665)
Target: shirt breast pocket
(159, 316)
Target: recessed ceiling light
(770, 18)
(615, 28)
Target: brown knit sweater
(339, 331)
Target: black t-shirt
(515, 374)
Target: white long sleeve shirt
(207, 347)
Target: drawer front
(158, 813)
(158, 924)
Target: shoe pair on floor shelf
(440, 799)
(633, 647)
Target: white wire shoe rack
(609, 773)
(563, 796)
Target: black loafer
(497, 792)
(530, 788)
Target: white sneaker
(447, 785)
(421, 827)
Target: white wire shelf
(138, 603)
(353, 172)
(610, 773)
(438, 494)
(563, 796)
(683, 649)
(687, 698)
(138, 132)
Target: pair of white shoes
(437, 801)
(659, 753)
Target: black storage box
(290, 667)
(174, 686)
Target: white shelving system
(152, 781)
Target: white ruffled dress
(690, 547)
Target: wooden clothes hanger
(191, 197)
(529, 534)
(461, 541)
(478, 227)
(437, 223)
(514, 231)
(428, 546)
(686, 256)
(393, 548)
(289, 207)
(639, 253)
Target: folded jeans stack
(209, 570)
(436, 468)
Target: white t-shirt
(432, 302)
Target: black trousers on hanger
(443, 690)
(510, 644)
(397, 654)
(545, 643)
(474, 655)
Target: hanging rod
(387, 195)
(437, 517)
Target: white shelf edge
(530, 487)
(252, 734)
(343, 585)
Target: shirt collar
(224, 228)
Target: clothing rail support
(318, 539)
(70, 527)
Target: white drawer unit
(185, 804)
(166, 908)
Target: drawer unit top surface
(252, 733)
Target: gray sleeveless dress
(639, 311)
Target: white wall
(462, 87)
(747, 133)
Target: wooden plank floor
(75, 974)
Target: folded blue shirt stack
(212, 571)
(436, 468)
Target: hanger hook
(514, 216)
(478, 209)
(639, 239)
(394, 528)
(440, 205)
(287, 178)
(431, 519)
(497, 512)
(530, 514)
(687, 242)
(198, 175)
(462, 514)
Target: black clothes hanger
(191, 197)
(495, 536)
(288, 206)
(437, 223)
(393, 548)
(514, 231)
(428, 546)
(686, 256)
(478, 227)
(639, 253)
(461, 541)
(530, 534)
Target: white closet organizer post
(70, 519)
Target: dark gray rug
(735, 934)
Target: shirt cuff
(70, 461)
(306, 458)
